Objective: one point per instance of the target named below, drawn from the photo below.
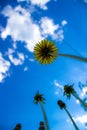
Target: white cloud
(15, 45)
(84, 91)
(17, 61)
(59, 36)
(10, 51)
(40, 3)
(48, 26)
(81, 119)
(64, 22)
(58, 86)
(21, 27)
(4, 68)
(77, 101)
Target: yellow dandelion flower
(45, 52)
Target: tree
(38, 98)
(18, 127)
(46, 52)
(62, 105)
(68, 90)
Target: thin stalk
(80, 100)
(71, 119)
(45, 117)
(74, 57)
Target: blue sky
(23, 23)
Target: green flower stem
(80, 100)
(74, 57)
(45, 117)
(71, 119)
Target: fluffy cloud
(51, 29)
(84, 91)
(4, 68)
(48, 27)
(58, 86)
(10, 51)
(17, 61)
(77, 101)
(64, 22)
(40, 3)
(21, 27)
(81, 119)
(15, 57)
